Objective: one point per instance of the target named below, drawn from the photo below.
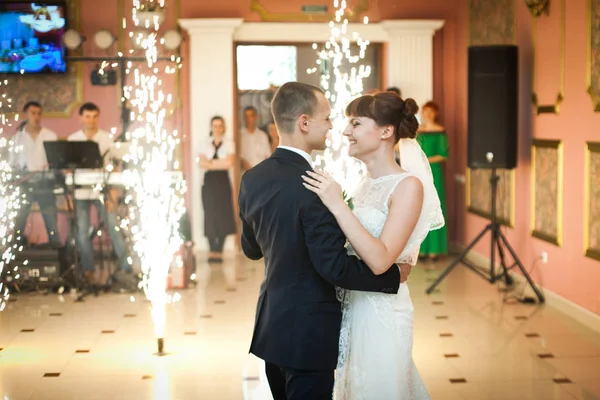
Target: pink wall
(445, 47)
(107, 98)
(568, 273)
(92, 20)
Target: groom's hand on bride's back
(404, 272)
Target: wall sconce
(72, 39)
(104, 39)
(538, 7)
(171, 39)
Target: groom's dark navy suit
(298, 317)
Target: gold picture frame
(560, 96)
(482, 30)
(591, 236)
(266, 15)
(593, 54)
(478, 192)
(547, 183)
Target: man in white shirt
(31, 157)
(255, 142)
(84, 198)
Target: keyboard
(92, 178)
(39, 182)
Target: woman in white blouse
(217, 159)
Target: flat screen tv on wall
(31, 37)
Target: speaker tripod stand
(498, 240)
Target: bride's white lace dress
(376, 338)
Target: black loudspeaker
(39, 267)
(493, 106)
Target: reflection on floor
(469, 343)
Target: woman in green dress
(434, 142)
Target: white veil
(414, 160)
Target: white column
(211, 69)
(410, 56)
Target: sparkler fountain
(9, 200)
(342, 80)
(156, 203)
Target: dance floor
(469, 343)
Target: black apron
(217, 201)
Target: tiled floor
(54, 348)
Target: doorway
(261, 69)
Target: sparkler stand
(161, 347)
(71, 156)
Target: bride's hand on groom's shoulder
(325, 187)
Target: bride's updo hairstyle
(387, 108)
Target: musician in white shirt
(85, 198)
(30, 157)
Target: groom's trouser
(294, 384)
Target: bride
(394, 209)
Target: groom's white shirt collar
(304, 154)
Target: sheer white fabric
(376, 339)
(414, 160)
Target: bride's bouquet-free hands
(329, 191)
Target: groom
(298, 317)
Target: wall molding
(592, 66)
(549, 108)
(268, 16)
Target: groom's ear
(303, 123)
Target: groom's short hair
(291, 101)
